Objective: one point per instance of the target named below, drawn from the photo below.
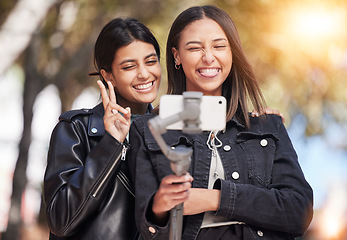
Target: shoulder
(266, 124)
(267, 119)
(69, 115)
(140, 126)
(142, 120)
(72, 114)
(91, 119)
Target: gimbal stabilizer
(180, 157)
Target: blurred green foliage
(298, 73)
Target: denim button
(260, 233)
(227, 148)
(94, 130)
(263, 142)
(152, 229)
(235, 175)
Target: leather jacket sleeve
(79, 169)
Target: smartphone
(212, 111)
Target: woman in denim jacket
(244, 182)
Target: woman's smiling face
(136, 73)
(205, 54)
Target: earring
(177, 66)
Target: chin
(149, 98)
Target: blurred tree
(5, 7)
(18, 28)
(32, 86)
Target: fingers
(110, 101)
(268, 110)
(175, 187)
(111, 92)
(127, 116)
(114, 108)
(106, 99)
(112, 115)
(254, 113)
(173, 179)
(103, 91)
(271, 111)
(283, 119)
(172, 191)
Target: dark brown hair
(241, 82)
(118, 33)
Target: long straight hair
(241, 82)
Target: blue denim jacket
(269, 193)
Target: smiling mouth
(144, 86)
(209, 72)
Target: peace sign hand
(116, 124)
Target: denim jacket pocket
(159, 161)
(259, 149)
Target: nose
(143, 72)
(208, 56)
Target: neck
(206, 92)
(136, 108)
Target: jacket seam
(90, 194)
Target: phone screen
(212, 111)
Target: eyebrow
(132, 60)
(214, 40)
(151, 55)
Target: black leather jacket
(87, 195)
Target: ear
(108, 76)
(176, 56)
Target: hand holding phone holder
(180, 157)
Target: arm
(201, 200)
(173, 190)
(286, 205)
(79, 169)
(76, 177)
(146, 182)
(155, 195)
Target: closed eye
(128, 67)
(194, 49)
(151, 62)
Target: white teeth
(143, 86)
(209, 70)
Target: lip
(209, 72)
(144, 87)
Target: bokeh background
(298, 49)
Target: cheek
(157, 72)
(124, 79)
(227, 61)
(191, 59)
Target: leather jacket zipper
(122, 158)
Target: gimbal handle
(180, 157)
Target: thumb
(127, 116)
